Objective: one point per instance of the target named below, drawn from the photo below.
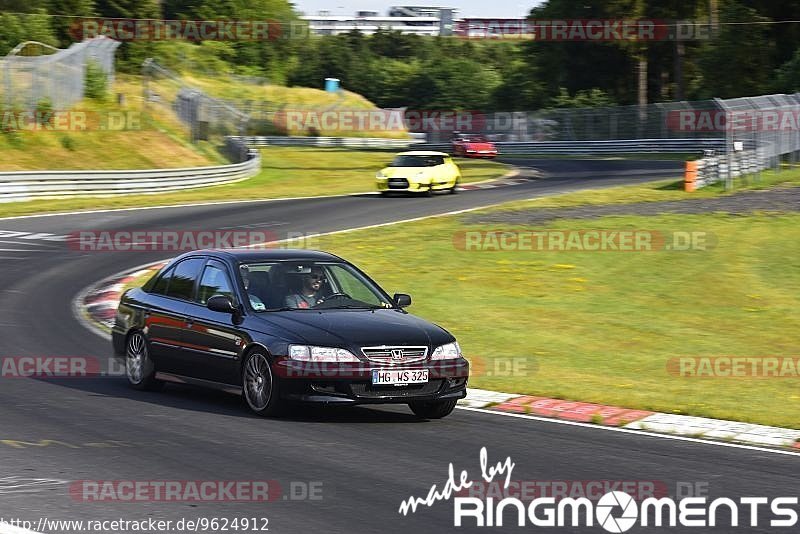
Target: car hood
(405, 172)
(357, 328)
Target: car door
(172, 326)
(163, 321)
(213, 340)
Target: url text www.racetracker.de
(197, 524)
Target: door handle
(189, 321)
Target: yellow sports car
(419, 172)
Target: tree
(68, 9)
(737, 61)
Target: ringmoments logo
(615, 511)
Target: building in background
(418, 20)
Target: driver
(308, 297)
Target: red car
(474, 146)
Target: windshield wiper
(353, 307)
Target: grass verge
(603, 326)
(286, 172)
(663, 190)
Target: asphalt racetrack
(360, 463)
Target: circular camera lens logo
(606, 505)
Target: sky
(466, 8)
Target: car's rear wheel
(260, 387)
(139, 367)
(433, 410)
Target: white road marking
(630, 431)
(23, 243)
(5, 528)
(194, 205)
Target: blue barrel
(332, 85)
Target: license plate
(399, 377)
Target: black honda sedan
(285, 325)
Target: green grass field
(286, 172)
(602, 327)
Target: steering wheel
(334, 296)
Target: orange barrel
(690, 177)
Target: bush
(13, 138)
(44, 111)
(67, 142)
(96, 82)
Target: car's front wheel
(453, 190)
(433, 410)
(260, 386)
(139, 367)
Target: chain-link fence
(654, 121)
(208, 118)
(762, 129)
(34, 73)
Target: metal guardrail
(713, 169)
(580, 148)
(630, 146)
(348, 142)
(28, 185)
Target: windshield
(310, 285)
(417, 161)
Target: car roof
(251, 255)
(423, 153)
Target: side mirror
(401, 300)
(221, 303)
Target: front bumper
(401, 185)
(352, 383)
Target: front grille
(368, 391)
(398, 183)
(383, 354)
